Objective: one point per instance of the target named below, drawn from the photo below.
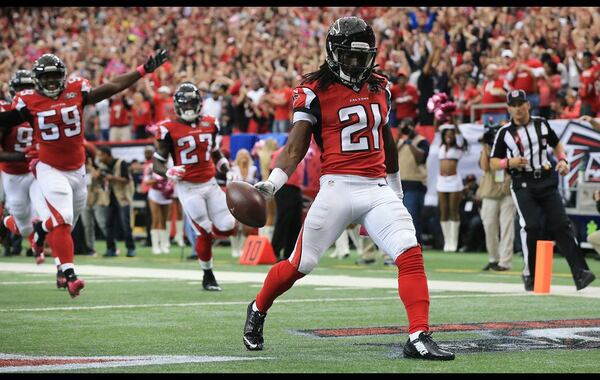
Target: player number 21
(345, 114)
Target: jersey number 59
(70, 118)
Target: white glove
(230, 177)
(176, 173)
(266, 188)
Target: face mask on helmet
(49, 75)
(187, 104)
(20, 81)
(350, 51)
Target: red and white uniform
(16, 178)
(58, 131)
(589, 88)
(201, 197)
(347, 126)
(487, 97)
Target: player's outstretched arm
(10, 119)
(294, 151)
(124, 81)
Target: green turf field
(146, 322)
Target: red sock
(49, 225)
(61, 242)
(223, 233)
(413, 290)
(204, 245)
(9, 222)
(280, 278)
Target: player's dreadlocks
(325, 78)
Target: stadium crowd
(246, 61)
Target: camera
(489, 133)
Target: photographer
(497, 207)
(115, 174)
(594, 237)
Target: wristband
(223, 161)
(504, 163)
(140, 69)
(562, 156)
(278, 178)
(393, 180)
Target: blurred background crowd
(246, 60)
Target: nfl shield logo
(515, 93)
(70, 95)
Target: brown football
(246, 204)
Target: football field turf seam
(236, 303)
(312, 280)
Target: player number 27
(70, 118)
(345, 114)
(187, 156)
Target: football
(246, 204)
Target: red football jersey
(17, 139)
(347, 126)
(192, 145)
(58, 124)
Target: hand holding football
(246, 204)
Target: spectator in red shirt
(464, 95)
(120, 119)
(494, 90)
(571, 106)
(142, 115)
(163, 102)
(280, 97)
(507, 65)
(523, 76)
(549, 85)
(405, 98)
(587, 92)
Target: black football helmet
(49, 75)
(350, 51)
(21, 80)
(187, 101)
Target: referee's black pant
(288, 220)
(533, 198)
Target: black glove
(155, 61)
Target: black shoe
(585, 278)
(425, 348)
(364, 262)
(209, 282)
(490, 266)
(528, 282)
(253, 329)
(61, 280)
(500, 268)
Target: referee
(521, 147)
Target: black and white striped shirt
(530, 141)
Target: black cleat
(61, 280)
(425, 348)
(528, 282)
(253, 329)
(209, 282)
(585, 278)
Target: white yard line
(312, 279)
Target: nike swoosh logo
(381, 184)
(250, 344)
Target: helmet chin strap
(188, 116)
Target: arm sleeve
(305, 105)
(552, 137)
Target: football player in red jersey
(55, 109)
(346, 105)
(17, 179)
(193, 143)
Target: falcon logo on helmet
(187, 101)
(350, 51)
(49, 75)
(21, 80)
